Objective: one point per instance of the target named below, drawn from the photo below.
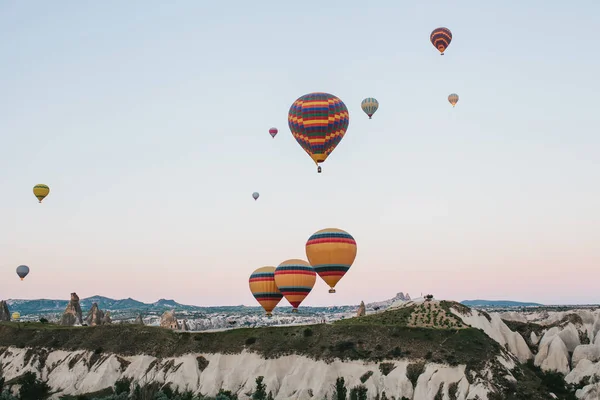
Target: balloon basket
(294, 310)
(332, 290)
(319, 169)
(269, 315)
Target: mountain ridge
(499, 303)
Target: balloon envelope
(453, 99)
(331, 252)
(22, 271)
(16, 315)
(318, 122)
(295, 279)
(263, 288)
(255, 195)
(441, 38)
(273, 132)
(369, 106)
(41, 191)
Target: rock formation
(184, 325)
(94, 316)
(106, 319)
(361, 310)
(169, 321)
(72, 315)
(4, 311)
(139, 320)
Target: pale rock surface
(94, 316)
(553, 355)
(4, 311)
(169, 321)
(361, 310)
(287, 377)
(589, 392)
(585, 352)
(584, 368)
(139, 320)
(72, 315)
(534, 338)
(497, 330)
(106, 319)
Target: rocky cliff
(4, 311)
(72, 315)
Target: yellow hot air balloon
(16, 315)
(331, 252)
(263, 288)
(295, 279)
(41, 191)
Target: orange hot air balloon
(331, 252)
(440, 38)
(263, 288)
(295, 279)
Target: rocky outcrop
(287, 377)
(386, 303)
(361, 310)
(94, 316)
(106, 319)
(495, 328)
(184, 325)
(169, 321)
(72, 315)
(139, 320)
(4, 311)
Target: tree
(260, 393)
(270, 396)
(32, 388)
(340, 392)
(383, 396)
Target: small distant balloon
(16, 315)
(369, 106)
(453, 99)
(441, 38)
(22, 271)
(273, 132)
(255, 195)
(41, 191)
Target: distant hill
(43, 306)
(498, 303)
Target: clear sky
(149, 121)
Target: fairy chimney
(361, 310)
(169, 321)
(94, 316)
(72, 315)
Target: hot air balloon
(263, 288)
(441, 38)
(22, 271)
(331, 252)
(255, 195)
(369, 106)
(453, 99)
(318, 122)
(295, 279)
(16, 315)
(40, 191)
(273, 132)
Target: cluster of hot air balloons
(330, 252)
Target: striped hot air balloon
(331, 252)
(41, 191)
(441, 38)
(295, 279)
(453, 99)
(263, 288)
(369, 106)
(16, 315)
(273, 132)
(318, 122)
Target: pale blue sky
(149, 121)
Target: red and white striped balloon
(273, 132)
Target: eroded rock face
(361, 310)
(139, 320)
(72, 315)
(95, 316)
(106, 319)
(4, 311)
(169, 321)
